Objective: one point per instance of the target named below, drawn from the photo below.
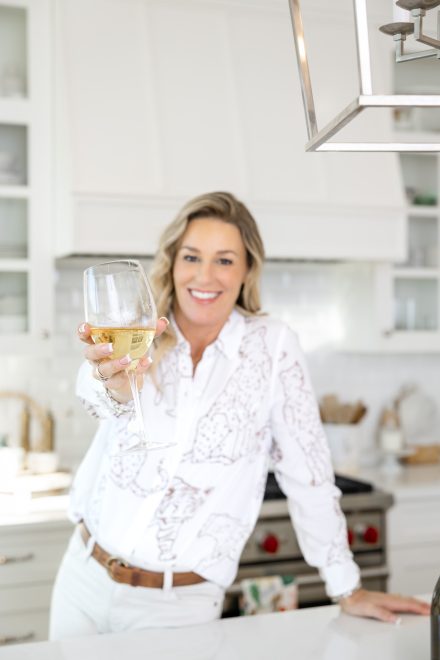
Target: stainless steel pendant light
(319, 139)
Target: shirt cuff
(340, 578)
(104, 405)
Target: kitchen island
(321, 633)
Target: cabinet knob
(16, 639)
(371, 535)
(270, 544)
(388, 332)
(5, 559)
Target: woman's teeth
(204, 295)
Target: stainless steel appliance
(273, 549)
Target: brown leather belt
(120, 571)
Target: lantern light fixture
(401, 29)
(320, 139)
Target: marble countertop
(321, 633)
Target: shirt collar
(228, 341)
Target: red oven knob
(371, 535)
(270, 544)
(350, 536)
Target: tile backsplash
(319, 300)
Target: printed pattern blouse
(192, 506)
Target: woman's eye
(225, 262)
(190, 257)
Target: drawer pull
(4, 559)
(17, 639)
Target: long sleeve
(95, 397)
(303, 470)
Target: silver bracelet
(347, 594)
(116, 407)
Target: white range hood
(160, 100)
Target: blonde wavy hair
(219, 205)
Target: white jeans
(86, 601)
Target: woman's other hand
(112, 372)
(382, 606)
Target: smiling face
(209, 270)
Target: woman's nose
(205, 272)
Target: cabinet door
(29, 559)
(408, 294)
(414, 545)
(31, 555)
(28, 626)
(25, 175)
(20, 598)
(416, 281)
(414, 569)
(14, 171)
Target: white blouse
(193, 505)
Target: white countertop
(321, 633)
(412, 482)
(15, 510)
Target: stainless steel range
(273, 549)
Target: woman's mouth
(204, 296)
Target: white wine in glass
(120, 309)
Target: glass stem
(137, 406)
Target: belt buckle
(112, 560)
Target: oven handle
(307, 580)
(371, 572)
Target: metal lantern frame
(318, 139)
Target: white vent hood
(160, 100)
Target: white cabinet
(29, 558)
(25, 175)
(160, 100)
(413, 530)
(415, 283)
(414, 545)
(408, 292)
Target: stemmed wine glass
(119, 307)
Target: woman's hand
(382, 606)
(112, 372)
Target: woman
(159, 536)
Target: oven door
(311, 590)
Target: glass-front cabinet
(416, 281)
(25, 152)
(408, 293)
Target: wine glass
(120, 309)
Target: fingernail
(145, 361)
(125, 360)
(164, 318)
(398, 621)
(149, 359)
(107, 348)
(82, 328)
